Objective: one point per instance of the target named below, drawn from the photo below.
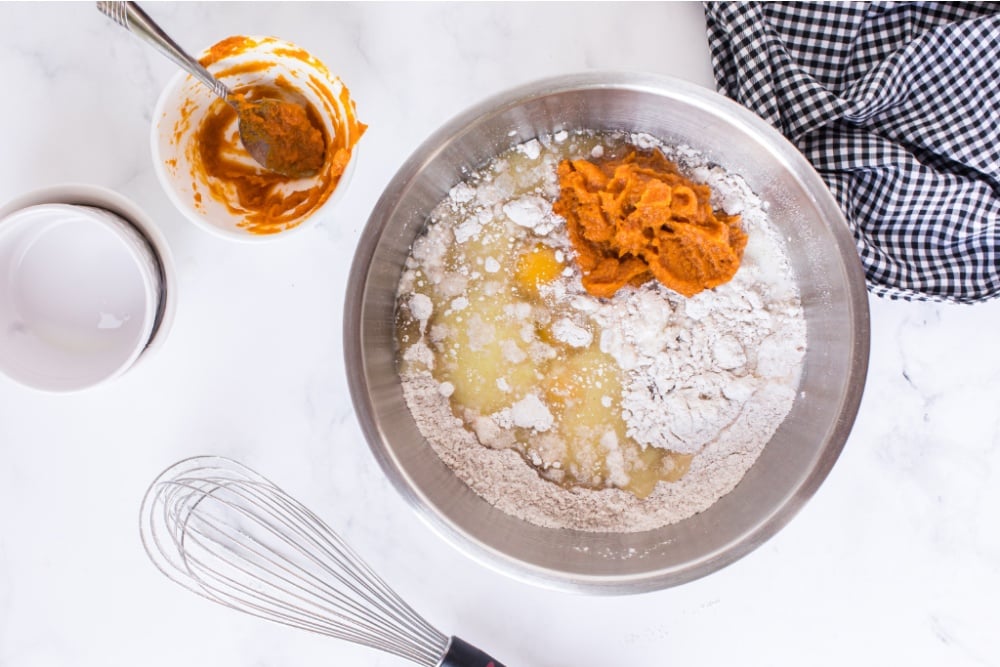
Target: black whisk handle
(463, 654)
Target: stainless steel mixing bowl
(793, 463)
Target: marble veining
(896, 560)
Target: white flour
(712, 376)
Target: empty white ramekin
(83, 288)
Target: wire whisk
(221, 530)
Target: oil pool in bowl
(203, 165)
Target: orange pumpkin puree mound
(637, 218)
(295, 143)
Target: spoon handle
(129, 16)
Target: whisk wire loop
(309, 612)
(232, 536)
(301, 582)
(322, 541)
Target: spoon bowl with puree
(278, 134)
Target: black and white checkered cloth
(897, 106)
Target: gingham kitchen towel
(897, 106)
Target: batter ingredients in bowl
(624, 411)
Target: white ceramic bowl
(85, 288)
(184, 105)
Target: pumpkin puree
(295, 142)
(637, 218)
(264, 201)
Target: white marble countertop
(896, 560)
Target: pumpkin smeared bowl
(207, 172)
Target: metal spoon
(256, 118)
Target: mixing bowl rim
(849, 401)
